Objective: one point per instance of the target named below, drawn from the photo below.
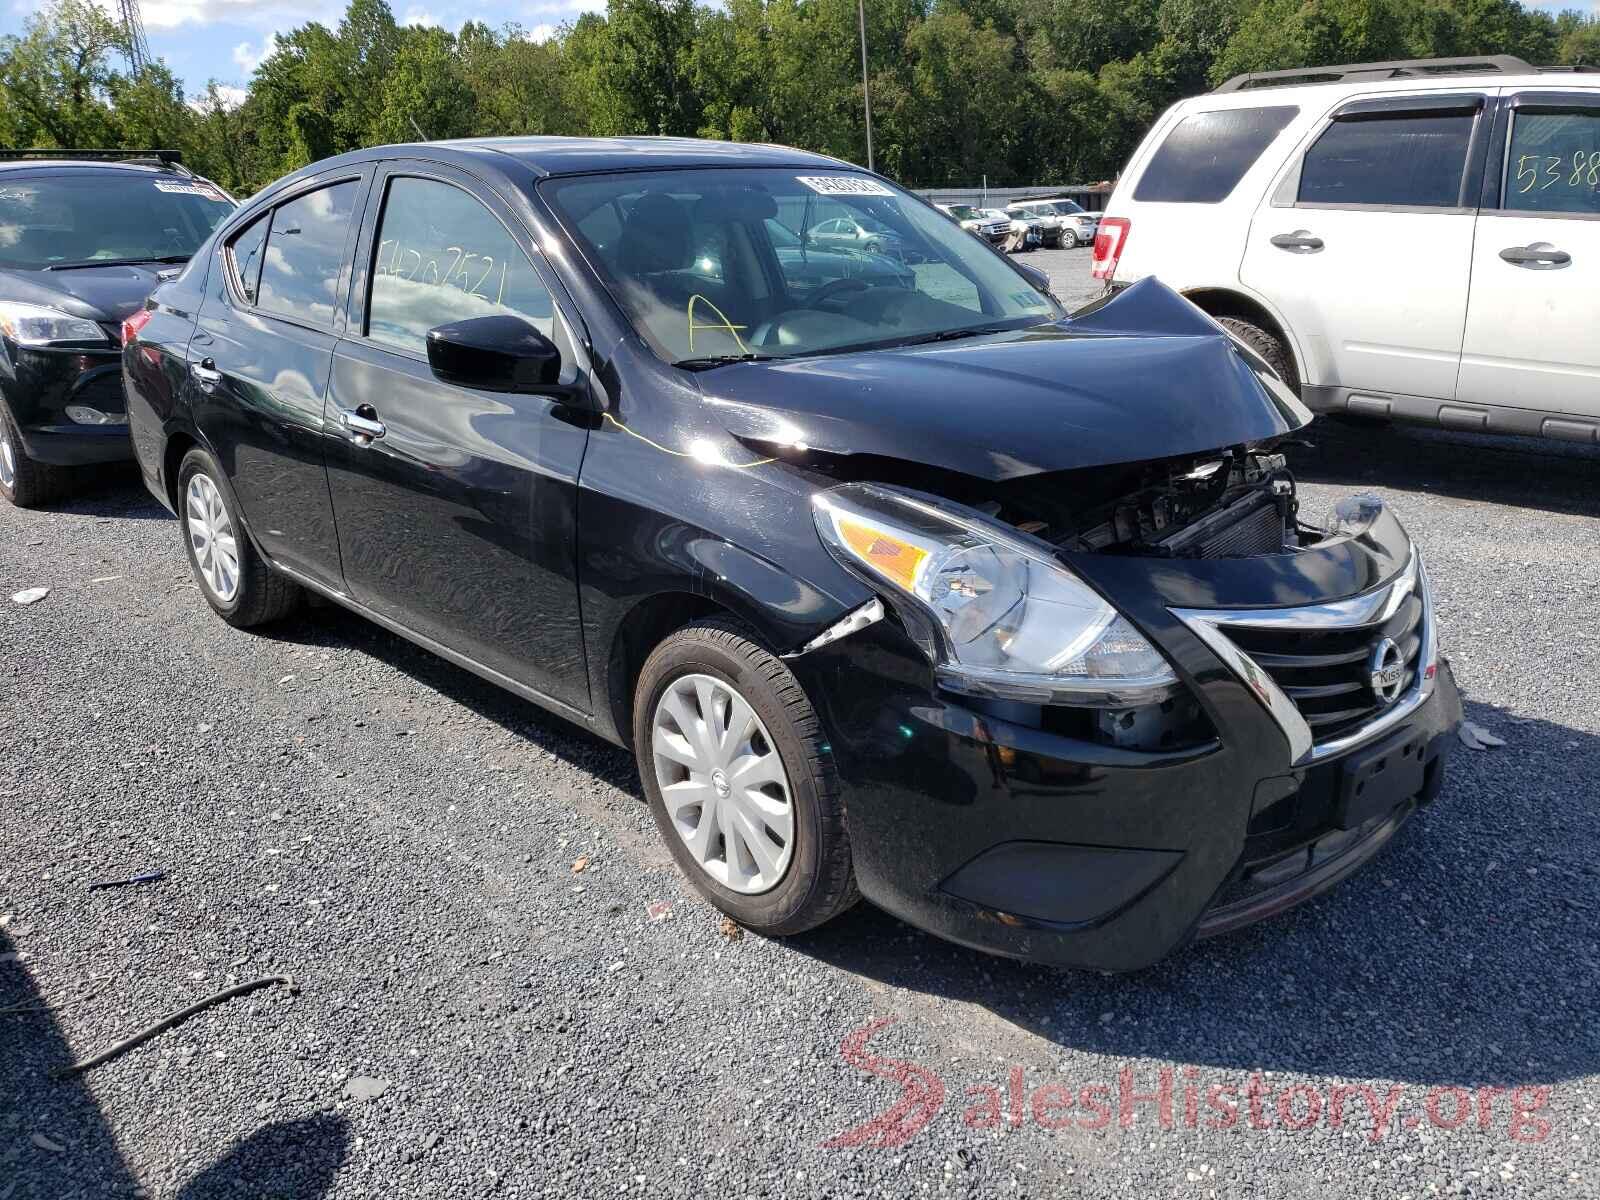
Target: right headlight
(1013, 622)
(36, 325)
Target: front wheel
(23, 481)
(238, 585)
(1069, 240)
(732, 758)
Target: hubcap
(723, 784)
(8, 459)
(211, 537)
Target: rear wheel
(1269, 346)
(234, 579)
(731, 755)
(23, 481)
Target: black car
(1004, 619)
(85, 236)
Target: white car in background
(1415, 241)
(1073, 227)
(1029, 229)
(975, 221)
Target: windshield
(96, 216)
(962, 212)
(727, 263)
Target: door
(1533, 318)
(259, 363)
(1364, 244)
(455, 507)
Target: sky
(223, 40)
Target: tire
(1267, 346)
(817, 880)
(24, 482)
(873, 248)
(1069, 239)
(258, 594)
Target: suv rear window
(1401, 161)
(1207, 153)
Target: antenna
(133, 34)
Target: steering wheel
(836, 288)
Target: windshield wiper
(118, 262)
(951, 335)
(721, 360)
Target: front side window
(1400, 160)
(710, 264)
(1553, 164)
(244, 257)
(99, 216)
(1207, 153)
(443, 257)
(305, 253)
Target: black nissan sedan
(85, 236)
(904, 585)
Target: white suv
(1411, 240)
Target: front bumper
(38, 384)
(1009, 837)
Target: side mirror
(495, 354)
(1039, 279)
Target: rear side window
(1207, 153)
(1554, 162)
(305, 252)
(1407, 160)
(244, 258)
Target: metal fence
(1091, 196)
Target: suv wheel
(22, 481)
(731, 755)
(1268, 346)
(235, 581)
(1069, 239)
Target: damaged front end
(1165, 701)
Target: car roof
(586, 155)
(77, 166)
(1265, 94)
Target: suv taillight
(131, 326)
(1109, 242)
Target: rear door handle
(1298, 242)
(205, 373)
(1541, 256)
(362, 424)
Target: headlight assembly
(1013, 622)
(35, 325)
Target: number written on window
(1554, 163)
(443, 257)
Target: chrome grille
(1310, 666)
(1326, 672)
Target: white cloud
(541, 32)
(229, 96)
(247, 57)
(417, 15)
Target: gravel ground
(332, 804)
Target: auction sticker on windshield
(843, 185)
(190, 189)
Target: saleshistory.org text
(1185, 1098)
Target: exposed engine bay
(1232, 503)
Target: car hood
(1143, 375)
(104, 294)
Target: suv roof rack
(171, 159)
(1400, 68)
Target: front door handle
(1541, 256)
(362, 424)
(1299, 242)
(205, 373)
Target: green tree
(426, 95)
(56, 78)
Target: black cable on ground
(177, 1018)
